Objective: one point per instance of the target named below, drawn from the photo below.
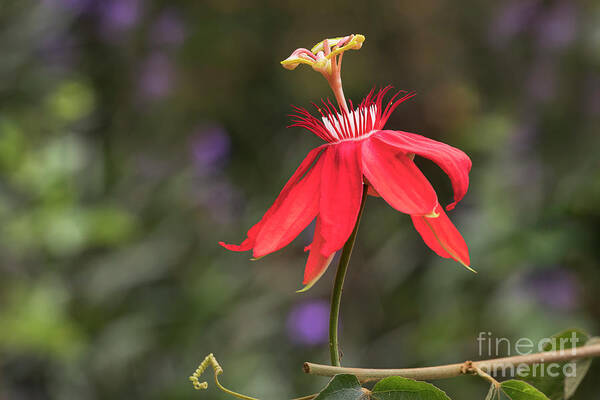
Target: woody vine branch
(453, 370)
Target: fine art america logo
(491, 347)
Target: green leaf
(550, 378)
(398, 388)
(343, 387)
(519, 390)
(581, 368)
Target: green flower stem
(336, 294)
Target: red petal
(317, 261)
(244, 246)
(372, 192)
(452, 160)
(396, 178)
(292, 211)
(441, 236)
(341, 194)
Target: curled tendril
(211, 361)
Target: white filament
(356, 118)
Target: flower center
(355, 124)
(338, 124)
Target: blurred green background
(135, 135)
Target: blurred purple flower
(308, 323)
(556, 288)
(557, 27)
(512, 19)
(210, 148)
(118, 16)
(168, 29)
(156, 76)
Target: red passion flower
(328, 184)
